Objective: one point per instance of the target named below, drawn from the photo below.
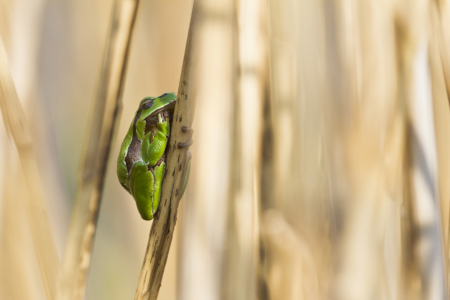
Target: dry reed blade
(366, 151)
(424, 269)
(103, 117)
(163, 226)
(17, 126)
(16, 250)
(296, 221)
(440, 20)
(440, 73)
(203, 234)
(241, 260)
(441, 111)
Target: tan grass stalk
(440, 74)
(429, 25)
(426, 212)
(163, 225)
(441, 121)
(17, 126)
(426, 206)
(440, 18)
(204, 212)
(103, 116)
(296, 220)
(240, 261)
(423, 247)
(366, 137)
(16, 249)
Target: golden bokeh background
(320, 164)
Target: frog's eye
(147, 104)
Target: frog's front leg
(145, 186)
(154, 150)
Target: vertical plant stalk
(205, 216)
(15, 122)
(423, 245)
(96, 149)
(163, 226)
(295, 209)
(17, 280)
(424, 180)
(239, 262)
(441, 27)
(365, 160)
(440, 85)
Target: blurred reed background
(320, 163)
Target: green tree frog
(141, 162)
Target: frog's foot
(188, 143)
(187, 130)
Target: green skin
(140, 165)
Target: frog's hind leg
(142, 185)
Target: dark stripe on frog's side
(147, 104)
(134, 150)
(134, 153)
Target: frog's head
(153, 105)
(150, 108)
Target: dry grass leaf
(105, 108)
(240, 261)
(18, 270)
(17, 126)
